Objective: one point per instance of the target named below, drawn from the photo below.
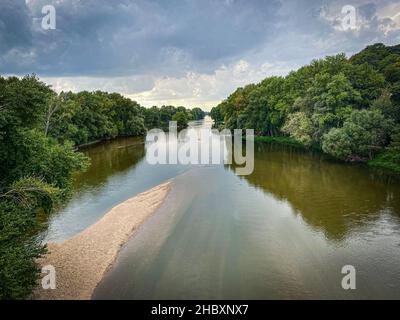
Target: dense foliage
(86, 117)
(39, 131)
(34, 174)
(159, 117)
(349, 108)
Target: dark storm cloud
(170, 38)
(15, 25)
(117, 37)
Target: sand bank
(82, 261)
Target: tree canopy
(349, 108)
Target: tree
(333, 99)
(54, 105)
(385, 60)
(197, 113)
(155, 117)
(216, 115)
(181, 119)
(126, 115)
(338, 144)
(385, 104)
(18, 249)
(151, 117)
(364, 134)
(368, 82)
(314, 103)
(35, 175)
(300, 127)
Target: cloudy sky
(182, 52)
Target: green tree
(333, 99)
(197, 113)
(34, 177)
(181, 119)
(385, 104)
(126, 115)
(299, 127)
(18, 248)
(216, 115)
(364, 134)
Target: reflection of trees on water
(109, 158)
(333, 197)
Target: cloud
(15, 26)
(372, 25)
(101, 37)
(192, 89)
(189, 52)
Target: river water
(283, 232)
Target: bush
(300, 127)
(19, 248)
(364, 134)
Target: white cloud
(191, 90)
(207, 90)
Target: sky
(182, 52)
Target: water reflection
(109, 158)
(333, 197)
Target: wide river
(283, 232)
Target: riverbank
(384, 161)
(82, 261)
(378, 162)
(280, 140)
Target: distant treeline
(348, 108)
(39, 131)
(90, 116)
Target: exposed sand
(82, 261)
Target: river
(283, 232)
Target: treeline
(39, 131)
(86, 117)
(348, 108)
(159, 117)
(35, 173)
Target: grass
(280, 140)
(385, 161)
(286, 141)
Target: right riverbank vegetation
(347, 108)
(40, 132)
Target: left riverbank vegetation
(347, 108)
(40, 131)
